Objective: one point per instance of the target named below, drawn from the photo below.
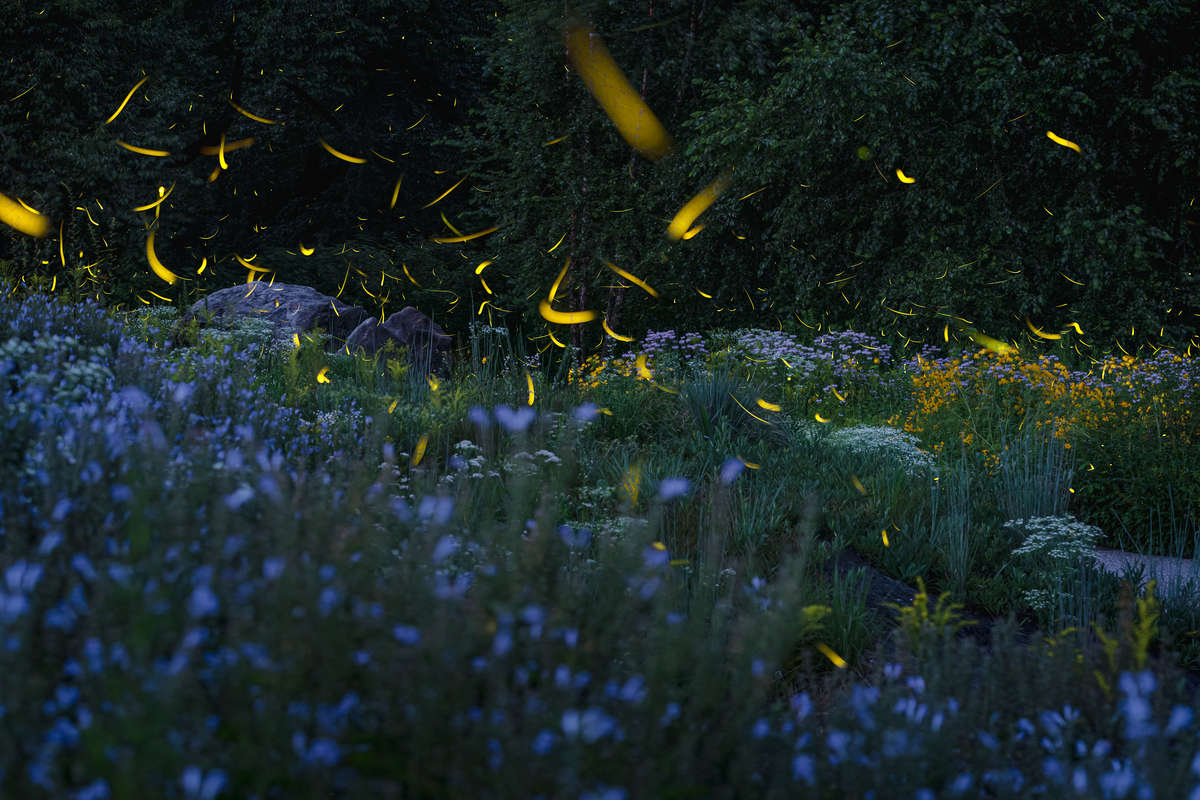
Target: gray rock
(302, 309)
(428, 345)
(291, 308)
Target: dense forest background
(811, 108)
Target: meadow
(600, 577)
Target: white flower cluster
(1051, 545)
(1055, 537)
(881, 440)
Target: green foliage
(921, 627)
(969, 238)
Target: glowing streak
(250, 266)
(904, 178)
(837, 395)
(614, 334)
(209, 150)
(443, 194)
(216, 173)
(254, 117)
(155, 264)
(221, 153)
(481, 266)
(985, 191)
(643, 371)
(27, 91)
(837, 660)
(62, 254)
(1063, 142)
(146, 151)
(418, 122)
(604, 79)
(308, 251)
(1040, 333)
(156, 203)
(203, 264)
(748, 411)
(756, 191)
(409, 274)
(395, 192)
(558, 281)
(19, 216)
(696, 206)
(419, 452)
(1072, 280)
(1048, 211)
(159, 296)
(556, 244)
(994, 345)
(550, 333)
(564, 317)
(468, 237)
(128, 97)
(819, 418)
(767, 405)
(339, 154)
(883, 533)
(453, 229)
(392, 407)
(89, 215)
(486, 288)
(1075, 325)
(946, 332)
(554, 141)
(705, 295)
(858, 484)
(632, 279)
(693, 231)
(529, 383)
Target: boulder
(291, 308)
(428, 345)
(301, 309)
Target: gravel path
(1169, 572)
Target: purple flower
(671, 488)
(586, 412)
(203, 602)
(731, 469)
(200, 786)
(515, 421)
(406, 634)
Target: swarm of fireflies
(604, 79)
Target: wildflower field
(603, 576)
